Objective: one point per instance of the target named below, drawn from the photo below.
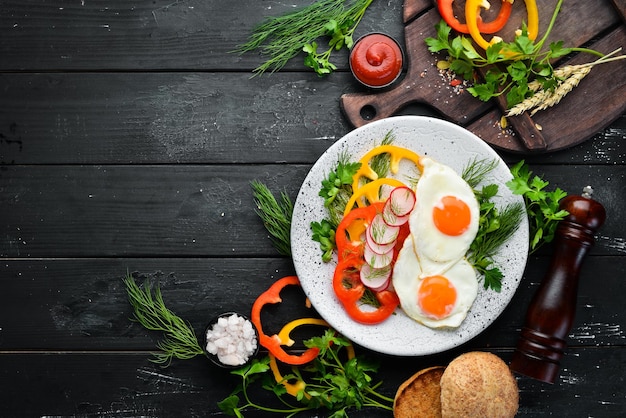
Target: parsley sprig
(542, 205)
(336, 191)
(509, 66)
(332, 383)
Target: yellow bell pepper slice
(371, 192)
(294, 388)
(285, 334)
(396, 153)
(472, 8)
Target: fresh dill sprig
(150, 311)
(495, 225)
(276, 216)
(476, 171)
(283, 37)
(381, 164)
(337, 187)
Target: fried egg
(445, 219)
(437, 301)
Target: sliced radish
(375, 260)
(402, 201)
(377, 279)
(381, 232)
(391, 218)
(376, 247)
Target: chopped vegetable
(295, 386)
(349, 290)
(377, 279)
(367, 172)
(401, 201)
(511, 66)
(332, 383)
(371, 192)
(472, 17)
(381, 232)
(274, 343)
(352, 226)
(447, 13)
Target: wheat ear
(569, 77)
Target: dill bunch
(283, 37)
(496, 225)
(150, 311)
(276, 216)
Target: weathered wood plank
(81, 304)
(198, 210)
(126, 384)
(196, 34)
(198, 118)
(162, 34)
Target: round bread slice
(478, 384)
(419, 396)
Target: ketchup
(376, 60)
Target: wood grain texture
(128, 139)
(81, 304)
(121, 385)
(73, 211)
(584, 112)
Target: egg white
(407, 278)
(436, 251)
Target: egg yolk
(436, 297)
(451, 216)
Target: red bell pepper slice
(274, 343)
(349, 246)
(447, 13)
(347, 273)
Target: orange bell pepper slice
(274, 343)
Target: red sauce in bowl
(376, 60)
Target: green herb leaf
(324, 233)
(333, 383)
(522, 60)
(542, 206)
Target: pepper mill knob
(551, 312)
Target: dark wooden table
(129, 135)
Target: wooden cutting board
(597, 101)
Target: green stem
(539, 44)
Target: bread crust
(478, 384)
(419, 396)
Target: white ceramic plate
(400, 335)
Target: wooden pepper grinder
(551, 312)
